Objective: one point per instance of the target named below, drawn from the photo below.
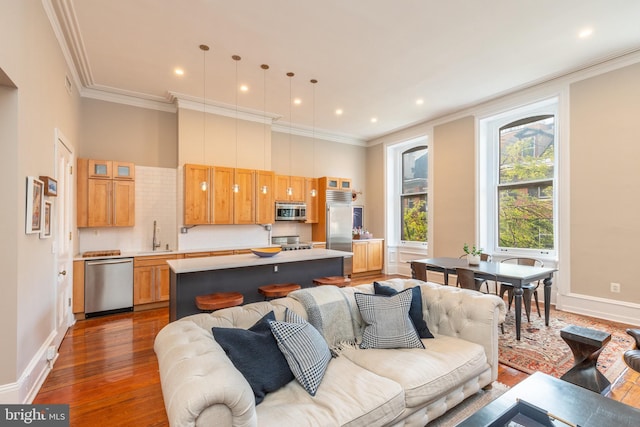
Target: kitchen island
(245, 273)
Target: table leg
(547, 299)
(446, 277)
(517, 292)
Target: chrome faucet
(156, 243)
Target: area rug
(542, 349)
(469, 406)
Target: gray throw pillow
(306, 351)
(387, 321)
(415, 311)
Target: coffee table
(568, 401)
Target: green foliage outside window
(414, 222)
(525, 193)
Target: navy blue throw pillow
(255, 353)
(415, 311)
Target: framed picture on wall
(46, 226)
(35, 205)
(50, 186)
(358, 222)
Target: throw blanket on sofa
(330, 312)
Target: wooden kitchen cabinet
(105, 193)
(295, 183)
(265, 197)
(206, 254)
(244, 209)
(343, 184)
(78, 287)
(311, 199)
(151, 279)
(367, 256)
(218, 203)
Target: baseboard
(25, 389)
(601, 308)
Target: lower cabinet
(367, 256)
(151, 279)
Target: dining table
(515, 274)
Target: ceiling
(372, 58)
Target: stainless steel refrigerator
(339, 224)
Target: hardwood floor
(108, 373)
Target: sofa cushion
(415, 310)
(307, 353)
(264, 374)
(349, 396)
(387, 321)
(426, 374)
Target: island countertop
(191, 265)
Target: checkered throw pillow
(387, 321)
(307, 353)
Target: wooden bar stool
(219, 300)
(338, 281)
(278, 290)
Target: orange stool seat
(219, 300)
(278, 290)
(338, 281)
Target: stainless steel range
(290, 243)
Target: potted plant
(473, 254)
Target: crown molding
(134, 99)
(189, 102)
(317, 134)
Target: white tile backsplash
(155, 200)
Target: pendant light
(264, 189)
(314, 192)
(204, 48)
(290, 75)
(236, 58)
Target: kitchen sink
(156, 252)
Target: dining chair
(480, 282)
(632, 357)
(419, 271)
(528, 289)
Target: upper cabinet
(209, 196)
(265, 197)
(290, 188)
(106, 193)
(311, 199)
(338, 184)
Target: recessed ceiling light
(179, 72)
(374, 120)
(419, 101)
(339, 111)
(297, 101)
(244, 88)
(583, 34)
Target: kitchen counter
(245, 273)
(161, 252)
(191, 265)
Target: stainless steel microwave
(291, 211)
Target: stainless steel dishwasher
(108, 286)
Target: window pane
(526, 217)
(527, 150)
(414, 218)
(414, 171)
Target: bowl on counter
(266, 252)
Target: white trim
(283, 127)
(134, 99)
(602, 308)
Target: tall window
(525, 184)
(413, 198)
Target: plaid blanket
(330, 311)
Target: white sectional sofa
(361, 387)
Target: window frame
(403, 195)
(489, 175)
